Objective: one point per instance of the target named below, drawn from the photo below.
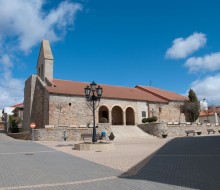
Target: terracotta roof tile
(209, 112)
(18, 105)
(167, 95)
(115, 92)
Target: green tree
(192, 96)
(191, 107)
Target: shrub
(149, 119)
(153, 118)
(103, 120)
(144, 120)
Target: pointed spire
(45, 61)
(46, 49)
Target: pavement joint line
(59, 184)
(27, 152)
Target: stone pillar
(110, 117)
(124, 118)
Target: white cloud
(23, 24)
(11, 88)
(5, 60)
(27, 23)
(208, 88)
(206, 63)
(182, 48)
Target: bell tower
(45, 61)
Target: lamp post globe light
(93, 95)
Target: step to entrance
(128, 131)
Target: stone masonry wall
(38, 113)
(28, 99)
(73, 134)
(73, 111)
(157, 129)
(167, 112)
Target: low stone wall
(21, 135)
(73, 134)
(157, 129)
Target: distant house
(6, 113)
(211, 115)
(55, 102)
(0, 115)
(16, 110)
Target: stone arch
(130, 116)
(117, 115)
(103, 114)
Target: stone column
(110, 117)
(124, 118)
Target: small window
(69, 104)
(143, 113)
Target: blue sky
(170, 44)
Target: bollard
(65, 135)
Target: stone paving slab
(179, 164)
(45, 168)
(185, 162)
(126, 154)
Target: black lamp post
(93, 94)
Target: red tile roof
(17, 105)
(164, 94)
(115, 92)
(209, 112)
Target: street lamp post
(93, 95)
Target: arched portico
(117, 115)
(103, 114)
(130, 116)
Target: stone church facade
(55, 103)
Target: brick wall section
(157, 129)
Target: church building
(56, 102)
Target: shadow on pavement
(192, 162)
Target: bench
(89, 136)
(211, 130)
(190, 131)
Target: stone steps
(128, 131)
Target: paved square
(180, 163)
